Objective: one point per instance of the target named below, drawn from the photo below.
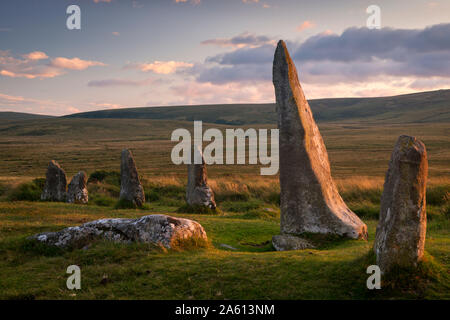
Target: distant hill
(16, 116)
(423, 107)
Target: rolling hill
(423, 107)
(17, 116)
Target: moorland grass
(252, 271)
(239, 262)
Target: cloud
(432, 4)
(430, 83)
(36, 55)
(305, 25)
(257, 55)
(30, 65)
(121, 83)
(98, 1)
(358, 54)
(242, 40)
(194, 2)
(115, 33)
(208, 93)
(40, 106)
(264, 5)
(74, 63)
(136, 4)
(161, 67)
(362, 44)
(107, 105)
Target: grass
(140, 271)
(91, 145)
(239, 262)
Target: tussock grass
(141, 271)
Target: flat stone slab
(284, 242)
(158, 229)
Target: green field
(359, 152)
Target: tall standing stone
(400, 236)
(310, 201)
(55, 183)
(77, 191)
(130, 186)
(198, 190)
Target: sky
(136, 53)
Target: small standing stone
(77, 191)
(400, 236)
(310, 201)
(198, 191)
(130, 186)
(55, 183)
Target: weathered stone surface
(400, 236)
(286, 242)
(77, 191)
(55, 183)
(130, 186)
(198, 191)
(310, 201)
(157, 229)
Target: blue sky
(168, 52)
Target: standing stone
(310, 201)
(130, 185)
(198, 191)
(55, 183)
(77, 191)
(400, 236)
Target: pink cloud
(245, 39)
(122, 82)
(305, 25)
(36, 55)
(30, 66)
(208, 93)
(161, 67)
(194, 2)
(40, 106)
(74, 63)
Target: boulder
(156, 229)
(55, 183)
(310, 201)
(130, 186)
(400, 235)
(284, 242)
(198, 191)
(77, 191)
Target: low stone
(227, 246)
(198, 192)
(77, 191)
(286, 242)
(55, 183)
(400, 235)
(156, 229)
